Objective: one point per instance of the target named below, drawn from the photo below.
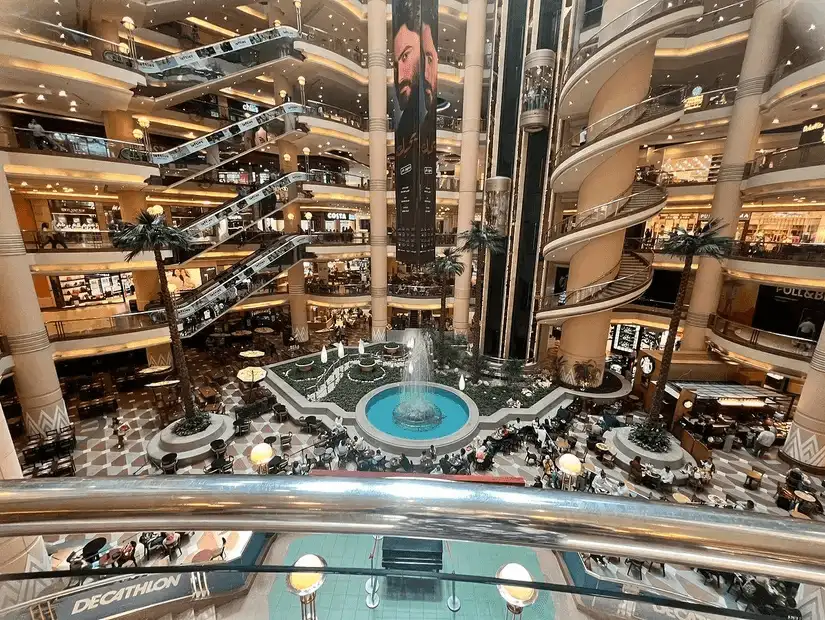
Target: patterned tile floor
(97, 455)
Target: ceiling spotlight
(62, 93)
(815, 106)
(20, 101)
(41, 86)
(72, 109)
(669, 137)
(73, 102)
(775, 121)
(41, 98)
(24, 184)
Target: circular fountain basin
(458, 426)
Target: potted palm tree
(151, 233)
(444, 269)
(480, 238)
(706, 241)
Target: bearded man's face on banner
(407, 56)
(430, 61)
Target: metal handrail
(806, 59)
(624, 118)
(77, 144)
(725, 540)
(712, 24)
(585, 293)
(788, 159)
(94, 327)
(593, 44)
(798, 347)
(770, 251)
(602, 212)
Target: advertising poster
(415, 70)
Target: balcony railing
(769, 342)
(319, 109)
(105, 326)
(764, 251)
(800, 58)
(72, 144)
(636, 114)
(637, 15)
(75, 241)
(348, 48)
(735, 11)
(718, 98)
(788, 159)
(720, 540)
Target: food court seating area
(49, 455)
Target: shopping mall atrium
(420, 309)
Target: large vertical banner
(415, 63)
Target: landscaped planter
(392, 349)
(367, 366)
(305, 366)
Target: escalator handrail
(189, 57)
(238, 204)
(224, 133)
(214, 289)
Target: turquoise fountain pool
(454, 414)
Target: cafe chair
(128, 554)
(219, 553)
(169, 463)
(635, 566)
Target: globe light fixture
(260, 456)
(143, 122)
(516, 597)
(137, 134)
(128, 23)
(306, 584)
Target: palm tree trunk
(667, 354)
(442, 322)
(174, 335)
(475, 328)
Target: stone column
(18, 554)
(35, 377)
(468, 175)
(760, 60)
(109, 30)
(7, 137)
(377, 63)
(583, 337)
(805, 445)
(119, 125)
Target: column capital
(30, 342)
(731, 172)
(378, 124)
(377, 59)
(751, 87)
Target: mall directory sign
(415, 72)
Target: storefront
(91, 289)
(73, 216)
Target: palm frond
(150, 233)
(481, 237)
(707, 241)
(447, 265)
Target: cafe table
(681, 498)
(242, 333)
(251, 375)
(154, 370)
(265, 331)
(254, 354)
(163, 384)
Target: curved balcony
(799, 167)
(614, 43)
(782, 264)
(598, 140)
(640, 201)
(621, 284)
(780, 351)
(801, 72)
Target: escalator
(199, 308)
(176, 78)
(212, 229)
(288, 110)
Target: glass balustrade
(63, 143)
(105, 326)
(763, 340)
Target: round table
(254, 354)
(602, 448)
(242, 333)
(804, 496)
(264, 330)
(154, 370)
(681, 498)
(163, 384)
(202, 556)
(715, 499)
(93, 547)
(588, 466)
(798, 515)
(251, 374)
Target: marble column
(35, 376)
(377, 67)
(805, 445)
(469, 173)
(745, 125)
(18, 554)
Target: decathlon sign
(124, 597)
